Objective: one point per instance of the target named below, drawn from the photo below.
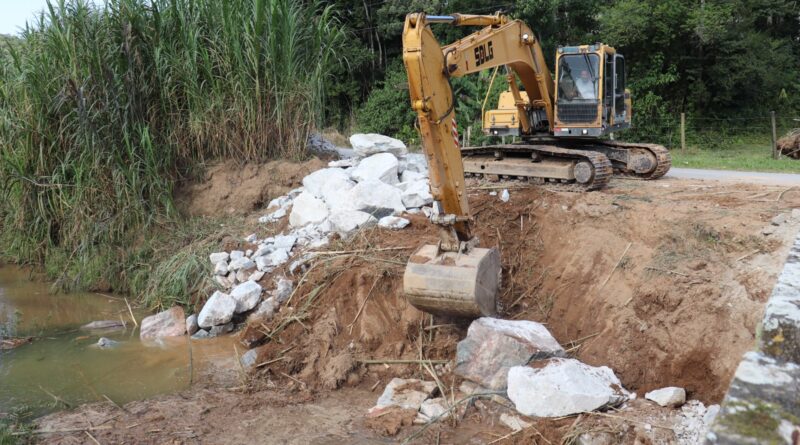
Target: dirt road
(662, 281)
(761, 178)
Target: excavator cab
(591, 99)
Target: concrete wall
(762, 405)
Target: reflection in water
(65, 361)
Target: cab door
(620, 110)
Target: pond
(63, 364)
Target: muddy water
(64, 362)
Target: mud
(662, 281)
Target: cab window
(578, 77)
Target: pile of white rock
(376, 186)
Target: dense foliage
(103, 108)
(720, 58)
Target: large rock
(369, 144)
(218, 310)
(561, 387)
(265, 311)
(381, 167)
(169, 323)
(412, 176)
(414, 162)
(247, 295)
(307, 209)
(671, 396)
(218, 257)
(243, 263)
(493, 346)
(417, 194)
(761, 405)
(377, 198)
(346, 221)
(191, 324)
(336, 194)
(404, 393)
(316, 182)
(780, 336)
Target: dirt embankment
(230, 188)
(662, 281)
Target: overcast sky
(14, 13)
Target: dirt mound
(232, 188)
(789, 145)
(663, 285)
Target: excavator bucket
(455, 284)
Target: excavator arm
(456, 277)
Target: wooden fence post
(469, 135)
(683, 131)
(775, 153)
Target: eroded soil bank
(663, 281)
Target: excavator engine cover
(451, 283)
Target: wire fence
(689, 132)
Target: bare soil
(662, 281)
(231, 188)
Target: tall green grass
(103, 109)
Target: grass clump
(103, 108)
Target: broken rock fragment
(393, 222)
(493, 346)
(669, 397)
(561, 387)
(404, 393)
(316, 182)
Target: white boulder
(316, 182)
(369, 144)
(278, 257)
(377, 198)
(414, 162)
(336, 194)
(237, 254)
(218, 257)
(347, 221)
(218, 310)
(563, 387)
(221, 268)
(381, 167)
(412, 176)
(247, 295)
(393, 222)
(284, 242)
(671, 396)
(307, 209)
(242, 263)
(417, 194)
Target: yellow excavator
(560, 126)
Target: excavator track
(659, 152)
(593, 169)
